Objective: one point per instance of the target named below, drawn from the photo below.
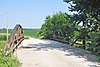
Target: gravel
(48, 53)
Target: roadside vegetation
(82, 29)
(9, 60)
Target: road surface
(48, 53)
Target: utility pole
(7, 28)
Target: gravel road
(48, 53)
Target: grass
(6, 61)
(31, 32)
(3, 36)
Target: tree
(58, 26)
(87, 14)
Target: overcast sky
(29, 13)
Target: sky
(29, 13)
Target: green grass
(31, 32)
(3, 36)
(6, 61)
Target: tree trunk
(84, 43)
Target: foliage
(59, 26)
(88, 15)
(95, 42)
(6, 61)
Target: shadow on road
(69, 50)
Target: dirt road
(48, 53)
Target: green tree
(88, 15)
(58, 26)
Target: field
(27, 32)
(31, 32)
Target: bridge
(46, 53)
